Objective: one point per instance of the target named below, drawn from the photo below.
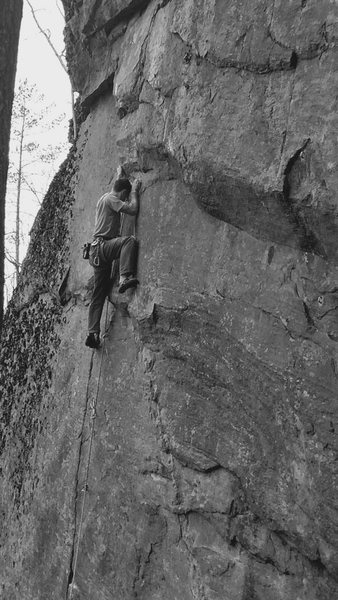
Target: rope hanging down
(73, 585)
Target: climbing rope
(85, 487)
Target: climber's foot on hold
(93, 340)
(127, 282)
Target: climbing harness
(94, 254)
(86, 250)
(91, 251)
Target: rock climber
(107, 246)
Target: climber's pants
(124, 248)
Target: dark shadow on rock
(64, 291)
(233, 200)
(110, 15)
(308, 223)
(306, 193)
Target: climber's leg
(124, 248)
(128, 258)
(100, 291)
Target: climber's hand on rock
(136, 185)
(119, 172)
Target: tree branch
(31, 188)
(59, 9)
(49, 41)
(12, 261)
(58, 56)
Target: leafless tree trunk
(18, 199)
(10, 20)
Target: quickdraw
(94, 257)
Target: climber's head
(122, 188)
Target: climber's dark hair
(122, 184)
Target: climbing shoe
(93, 340)
(128, 282)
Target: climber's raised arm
(131, 207)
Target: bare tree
(47, 35)
(23, 120)
(10, 20)
(29, 121)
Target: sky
(36, 60)
(38, 64)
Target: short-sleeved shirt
(107, 221)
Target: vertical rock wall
(194, 456)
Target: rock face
(194, 457)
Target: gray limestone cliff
(193, 457)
